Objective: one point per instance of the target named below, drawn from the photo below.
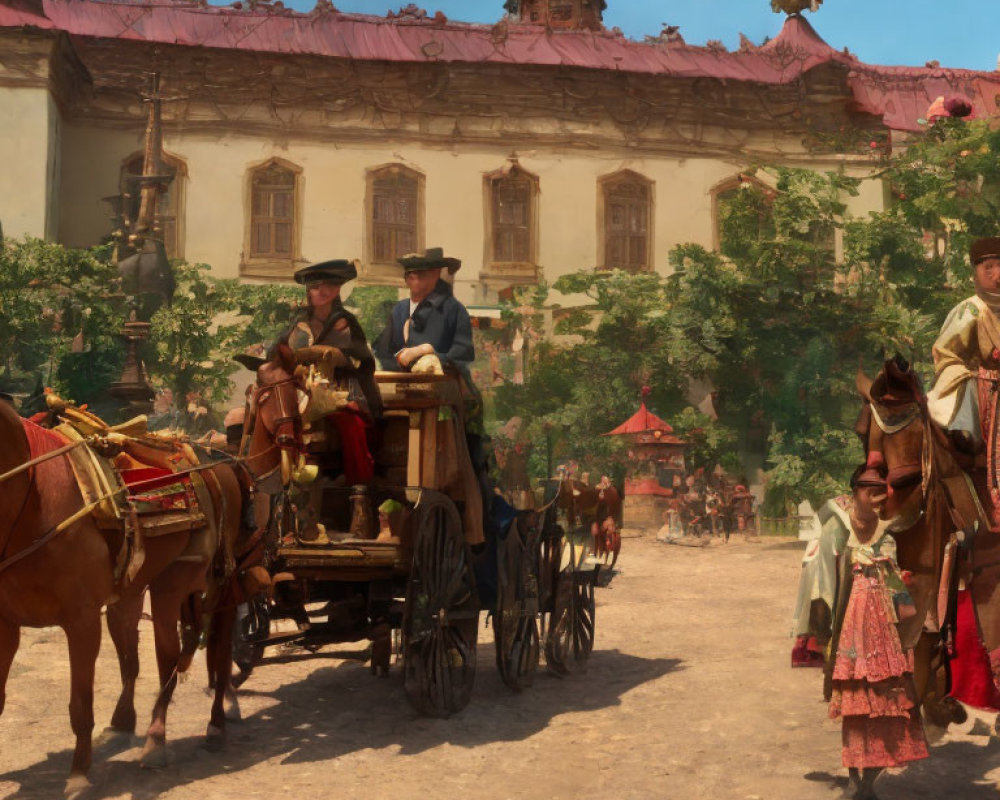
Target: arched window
(627, 199)
(743, 211)
(511, 196)
(273, 209)
(272, 212)
(395, 213)
(169, 208)
(750, 219)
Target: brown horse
(928, 499)
(57, 567)
(597, 508)
(63, 583)
(272, 442)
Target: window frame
(272, 265)
(725, 186)
(605, 186)
(513, 271)
(177, 197)
(388, 272)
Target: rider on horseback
(963, 399)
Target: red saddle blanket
(154, 489)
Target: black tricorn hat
(337, 271)
(431, 258)
(985, 248)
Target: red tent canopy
(645, 421)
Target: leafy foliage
(59, 312)
(776, 324)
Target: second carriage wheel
(515, 621)
(569, 638)
(441, 616)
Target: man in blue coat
(431, 321)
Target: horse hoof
(154, 756)
(232, 710)
(215, 739)
(76, 786)
(112, 735)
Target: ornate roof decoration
(900, 96)
(795, 6)
(559, 14)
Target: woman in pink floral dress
(870, 676)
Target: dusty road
(688, 695)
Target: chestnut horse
(57, 569)
(63, 583)
(928, 499)
(272, 442)
(596, 507)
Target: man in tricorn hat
(431, 321)
(967, 360)
(325, 321)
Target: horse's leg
(220, 665)
(123, 625)
(84, 638)
(923, 676)
(10, 638)
(166, 594)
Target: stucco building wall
(214, 200)
(29, 168)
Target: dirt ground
(688, 694)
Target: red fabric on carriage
(971, 673)
(359, 466)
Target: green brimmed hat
(431, 258)
(337, 271)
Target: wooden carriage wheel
(441, 617)
(515, 620)
(569, 640)
(567, 598)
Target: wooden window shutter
(626, 225)
(395, 215)
(272, 213)
(512, 219)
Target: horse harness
(260, 396)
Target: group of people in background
(703, 506)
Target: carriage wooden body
(416, 590)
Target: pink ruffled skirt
(872, 683)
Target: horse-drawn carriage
(414, 580)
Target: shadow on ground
(338, 710)
(962, 766)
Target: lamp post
(147, 278)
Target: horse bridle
(277, 426)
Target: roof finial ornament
(792, 7)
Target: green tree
(60, 312)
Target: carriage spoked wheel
(441, 617)
(569, 638)
(515, 621)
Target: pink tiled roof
(900, 95)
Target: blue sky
(958, 33)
